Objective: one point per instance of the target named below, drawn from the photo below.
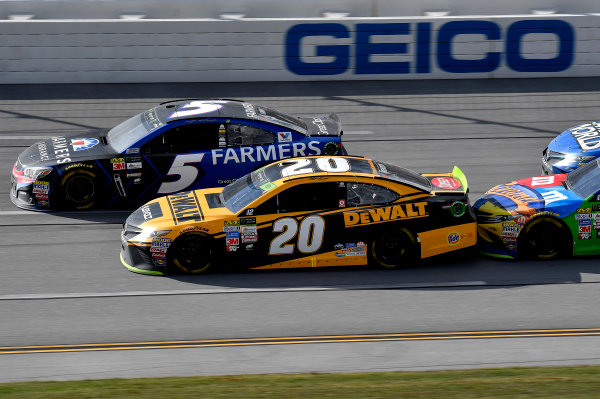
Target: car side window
(244, 135)
(360, 194)
(185, 138)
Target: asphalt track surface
(69, 310)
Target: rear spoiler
(460, 176)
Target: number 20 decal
(310, 235)
(303, 165)
(187, 173)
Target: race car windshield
(132, 130)
(402, 175)
(237, 195)
(284, 119)
(585, 181)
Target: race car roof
(227, 108)
(302, 167)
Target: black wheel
(399, 249)
(191, 253)
(543, 239)
(79, 189)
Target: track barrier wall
(278, 49)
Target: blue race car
(177, 146)
(572, 148)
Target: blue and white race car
(177, 146)
(572, 148)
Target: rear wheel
(399, 249)
(544, 239)
(191, 253)
(79, 189)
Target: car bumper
(22, 196)
(139, 260)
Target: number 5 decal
(187, 173)
(310, 237)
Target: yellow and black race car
(304, 212)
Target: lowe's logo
(360, 47)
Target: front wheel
(79, 189)
(398, 249)
(191, 253)
(544, 239)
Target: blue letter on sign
(451, 29)
(364, 48)
(340, 52)
(563, 59)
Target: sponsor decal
(543, 181)
(133, 175)
(386, 214)
(134, 165)
(350, 245)
(41, 187)
(249, 247)
(596, 207)
(43, 202)
(321, 125)
(161, 242)
(361, 244)
(79, 165)
(248, 221)
(230, 228)
(524, 198)
(41, 196)
(340, 254)
(83, 144)
(118, 166)
(249, 238)
(446, 183)
(511, 246)
(231, 222)
(580, 216)
(522, 220)
(232, 248)
(596, 225)
(587, 136)
(133, 159)
(249, 108)
(548, 213)
(552, 196)
(331, 148)
(585, 236)
(355, 252)
(137, 180)
(61, 149)
(453, 238)
(232, 234)
(224, 156)
(584, 210)
(43, 152)
(116, 160)
(185, 207)
(338, 246)
(228, 181)
(159, 261)
(596, 216)
(158, 250)
(284, 137)
(232, 241)
(585, 229)
(342, 203)
(585, 222)
(132, 151)
(510, 239)
(151, 211)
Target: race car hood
(579, 140)
(530, 196)
(324, 125)
(64, 149)
(191, 208)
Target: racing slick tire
(544, 239)
(191, 253)
(79, 189)
(396, 250)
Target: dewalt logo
(185, 207)
(386, 214)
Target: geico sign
(429, 47)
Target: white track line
(236, 290)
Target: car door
(177, 160)
(298, 222)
